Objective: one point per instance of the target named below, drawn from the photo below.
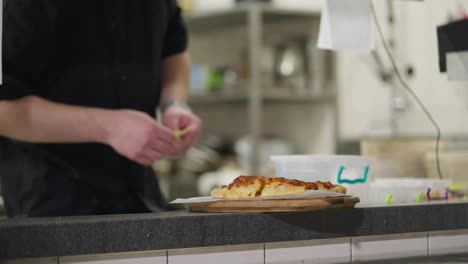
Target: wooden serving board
(284, 205)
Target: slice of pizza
(330, 187)
(258, 186)
(241, 187)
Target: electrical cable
(409, 90)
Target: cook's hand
(178, 118)
(138, 137)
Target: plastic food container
(334, 168)
(407, 190)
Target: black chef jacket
(99, 53)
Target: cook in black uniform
(82, 80)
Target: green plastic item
(420, 197)
(389, 198)
(214, 80)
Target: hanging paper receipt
(346, 25)
(457, 66)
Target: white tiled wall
(159, 257)
(448, 242)
(386, 247)
(248, 254)
(324, 251)
(313, 251)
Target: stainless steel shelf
(214, 20)
(221, 19)
(253, 18)
(223, 99)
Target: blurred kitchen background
(262, 87)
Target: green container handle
(362, 180)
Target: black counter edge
(67, 236)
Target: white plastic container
(405, 190)
(333, 168)
(349, 171)
(269, 147)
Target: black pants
(36, 185)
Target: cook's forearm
(175, 75)
(34, 119)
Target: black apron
(98, 53)
(37, 183)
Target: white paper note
(346, 25)
(457, 66)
